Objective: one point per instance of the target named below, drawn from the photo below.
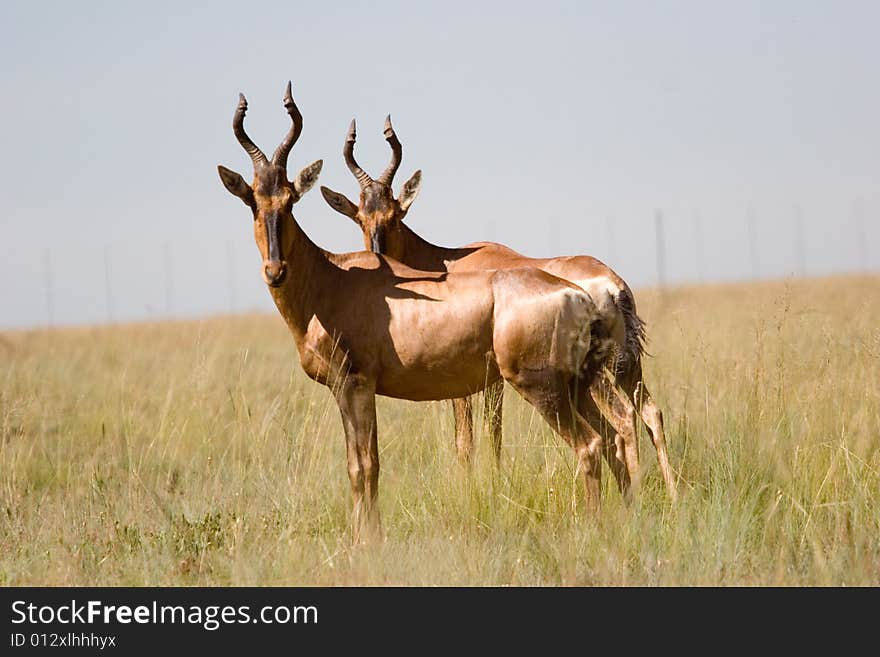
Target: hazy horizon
(556, 129)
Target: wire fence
(170, 302)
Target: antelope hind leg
(551, 394)
(620, 411)
(652, 416)
(612, 440)
(613, 450)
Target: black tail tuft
(635, 335)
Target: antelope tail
(634, 334)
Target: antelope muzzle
(274, 272)
(274, 266)
(377, 240)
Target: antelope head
(271, 195)
(379, 214)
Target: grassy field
(198, 453)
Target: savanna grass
(198, 453)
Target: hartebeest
(365, 324)
(620, 392)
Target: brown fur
(365, 325)
(617, 331)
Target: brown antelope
(380, 217)
(367, 325)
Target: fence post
(753, 242)
(661, 249)
(612, 247)
(799, 240)
(698, 247)
(108, 289)
(50, 301)
(169, 282)
(230, 275)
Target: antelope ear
(339, 203)
(306, 178)
(410, 190)
(236, 185)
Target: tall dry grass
(198, 453)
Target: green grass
(198, 453)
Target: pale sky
(554, 127)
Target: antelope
(366, 325)
(620, 391)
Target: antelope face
(271, 195)
(274, 200)
(379, 214)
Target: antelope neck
(418, 253)
(310, 274)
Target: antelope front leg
(464, 428)
(357, 403)
(493, 401)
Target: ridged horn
(238, 128)
(348, 151)
(387, 176)
(283, 150)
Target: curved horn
(396, 153)
(238, 128)
(283, 150)
(348, 151)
